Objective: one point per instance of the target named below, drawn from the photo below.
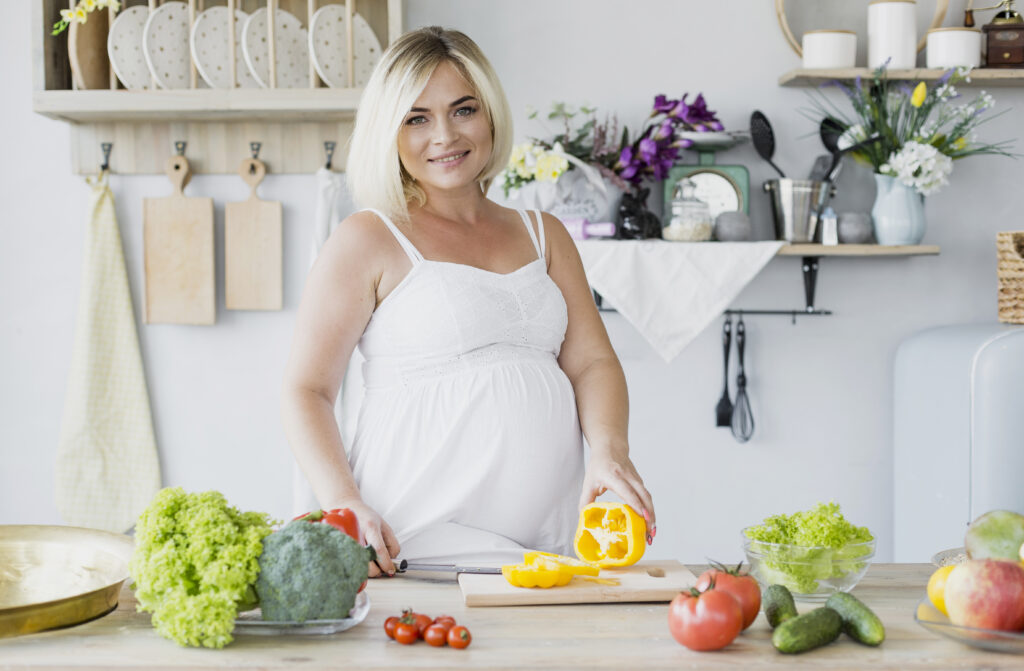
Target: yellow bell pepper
(571, 564)
(541, 573)
(610, 534)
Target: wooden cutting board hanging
(252, 247)
(178, 241)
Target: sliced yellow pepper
(541, 573)
(571, 564)
(610, 534)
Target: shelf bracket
(809, 266)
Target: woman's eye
(465, 111)
(416, 121)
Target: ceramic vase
(898, 212)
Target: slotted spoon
(763, 137)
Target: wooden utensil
(178, 241)
(252, 247)
(87, 52)
(646, 581)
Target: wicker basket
(1010, 250)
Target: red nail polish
(650, 540)
(654, 531)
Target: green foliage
(310, 572)
(195, 563)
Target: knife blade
(404, 566)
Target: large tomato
(740, 584)
(707, 620)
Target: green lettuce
(822, 545)
(195, 564)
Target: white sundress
(468, 442)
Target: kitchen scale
(725, 188)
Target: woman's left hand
(607, 471)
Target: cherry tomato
(422, 622)
(406, 633)
(436, 635)
(739, 583)
(707, 620)
(447, 620)
(389, 626)
(459, 637)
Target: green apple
(998, 534)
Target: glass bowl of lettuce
(813, 553)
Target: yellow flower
(80, 14)
(920, 93)
(89, 5)
(550, 167)
(67, 15)
(960, 143)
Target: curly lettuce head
(195, 563)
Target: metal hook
(329, 148)
(105, 147)
(179, 147)
(254, 147)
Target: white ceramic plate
(124, 47)
(251, 622)
(165, 44)
(328, 42)
(210, 52)
(292, 51)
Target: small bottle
(829, 228)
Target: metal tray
(54, 576)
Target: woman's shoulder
(361, 236)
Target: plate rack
(292, 124)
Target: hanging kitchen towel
(670, 291)
(107, 469)
(332, 206)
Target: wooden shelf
(313, 104)
(858, 250)
(988, 77)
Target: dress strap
(537, 244)
(410, 249)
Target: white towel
(671, 291)
(107, 469)
(332, 206)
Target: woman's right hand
(378, 534)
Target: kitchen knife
(404, 566)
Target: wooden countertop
(606, 636)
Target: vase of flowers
(914, 134)
(586, 169)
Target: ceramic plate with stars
(165, 44)
(328, 42)
(210, 51)
(292, 52)
(124, 47)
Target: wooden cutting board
(644, 581)
(178, 241)
(252, 247)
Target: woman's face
(445, 139)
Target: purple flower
(648, 149)
(662, 105)
(945, 76)
(664, 131)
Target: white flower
(920, 166)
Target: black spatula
(763, 138)
(723, 411)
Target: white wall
(820, 390)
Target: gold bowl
(56, 576)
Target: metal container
(54, 576)
(795, 206)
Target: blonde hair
(376, 177)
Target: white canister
(892, 34)
(824, 49)
(954, 47)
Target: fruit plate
(931, 619)
(251, 622)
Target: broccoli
(310, 572)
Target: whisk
(742, 417)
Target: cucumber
(808, 631)
(778, 605)
(859, 622)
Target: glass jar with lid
(691, 217)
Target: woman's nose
(444, 131)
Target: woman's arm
(337, 303)
(596, 375)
